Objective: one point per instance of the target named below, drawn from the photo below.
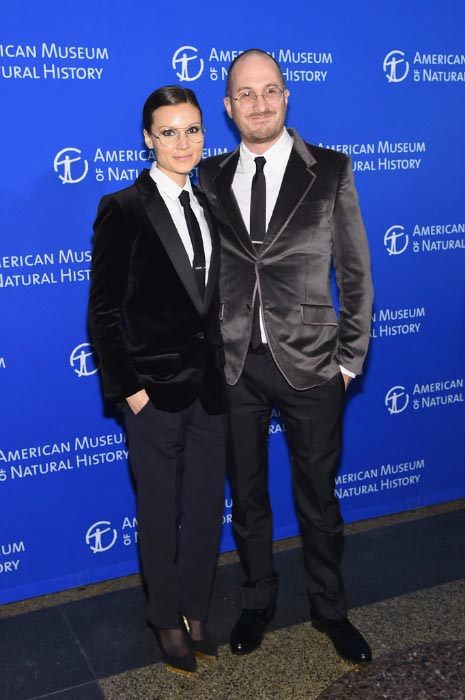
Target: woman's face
(176, 159)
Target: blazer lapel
(223, 186)
(215, 254)
(165, 229)
(297, 180)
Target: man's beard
(263, 132)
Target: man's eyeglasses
(169, 136)
(247, 98)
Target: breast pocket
(313, 215)
(311, 227)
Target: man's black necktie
(257, 234)
(193, 227)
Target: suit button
(259, 264)
(199, 336)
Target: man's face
(261, 123)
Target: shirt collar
(168, 186)
(275, 155)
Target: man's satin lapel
(215, 255)
(298, 179)
(226, 198)
(165, 229)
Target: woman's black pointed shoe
(203, 648)
(186, 665)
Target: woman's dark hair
(164, 97)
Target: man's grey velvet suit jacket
(316, 222)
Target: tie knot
(184, 198)
(260, 164)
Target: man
(286, 210)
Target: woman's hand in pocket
(137, 401)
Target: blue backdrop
(383, 82)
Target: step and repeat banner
(384, 83)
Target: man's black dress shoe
(347, 640)
(247, 633)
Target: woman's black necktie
(257, 234)
(195, 234)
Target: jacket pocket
(317, 314)
(316, 206)
(159, 365)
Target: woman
(153, 315)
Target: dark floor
(405, 583)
